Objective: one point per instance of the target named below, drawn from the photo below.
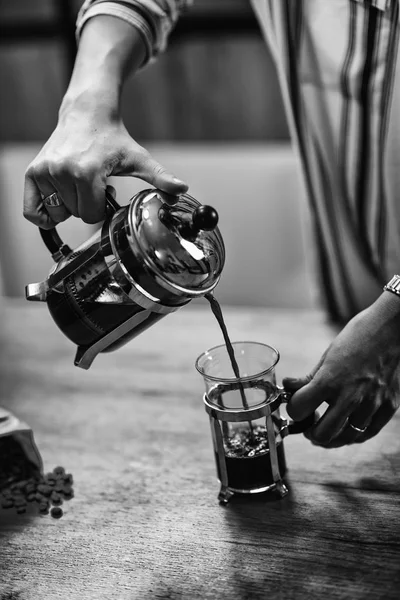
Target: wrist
(91, 101)
(386, 310)
(109, 50)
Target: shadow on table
(11, 522)
(316, 539)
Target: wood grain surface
(145, 522)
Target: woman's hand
(90, 142)
(358, 377)
(84, 150)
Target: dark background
(216, 82)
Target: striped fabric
(337, 65)
(339, 76)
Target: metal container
(148, 259)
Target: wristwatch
(393, 285)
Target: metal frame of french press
(246, 415)
(118, 272)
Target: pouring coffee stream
(217, 311)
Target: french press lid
(181, 243)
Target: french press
(148, 259)
(247, 427)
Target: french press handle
(54, 243)
(297, 426)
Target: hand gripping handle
(54, 243)
(297, 426)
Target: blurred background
(209, 109)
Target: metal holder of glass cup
(275, 425)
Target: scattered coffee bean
(56, 512)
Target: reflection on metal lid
(192, 249)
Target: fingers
(332, 429)
(81, 186)
(94, 189)
(306, 400)
(336, 418)
(303, 404)
(47, 185)
(148, 169)
(81, 191)
(343, 423)
(34, 209)
(292, 385)
(382, 416)
(362, 416)
(39, 184)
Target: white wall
(255, 188)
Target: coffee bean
(46, 490)
(68, 493)
(56, 499)
(59, 471)
(56, 512)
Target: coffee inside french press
(148, 259)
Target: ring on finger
(358, 429)
(52, 201)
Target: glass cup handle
(54, 243)
(296, 426)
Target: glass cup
(246, 426)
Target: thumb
(307, 394)
(292, 384)
(147, 168)
(306, 398)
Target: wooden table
(145, 522)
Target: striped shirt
(340, 80)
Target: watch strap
(393, 285)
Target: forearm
(109, 50)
